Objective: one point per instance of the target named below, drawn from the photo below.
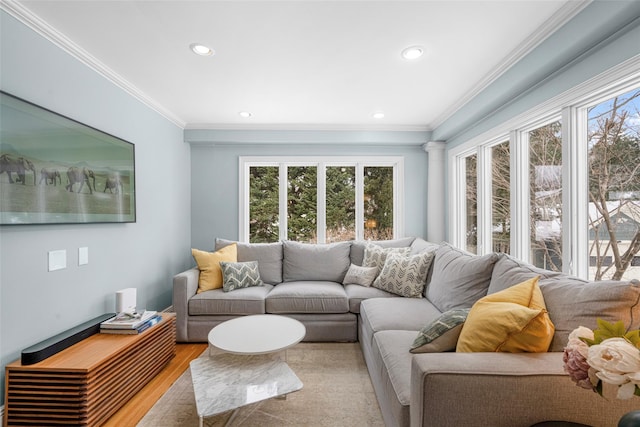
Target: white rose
(617, 362)
(581, 332)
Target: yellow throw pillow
(209, 266)
(513, 320)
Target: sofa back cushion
(357, 247)
(459, 278)
(306, 261)
(509, 271)
(573, 302)
(268, 255)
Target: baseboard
(168, 310)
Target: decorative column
(436, 206)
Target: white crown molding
(309, 127)
(564, 15)
(31, 20)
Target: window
(613, 144)
(500, 198)
(471, 168)
(321, 200)
(568, 197)
(545, 181)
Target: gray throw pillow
(404, 275)
(268, 255)
(236, 275)
(459, 278)
(363, 276)
(311, 261)
(573, 302)
(375, 256)
(442, 333)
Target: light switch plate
(83, 255)
(57, 260)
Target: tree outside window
(545, 183)
(614, 188)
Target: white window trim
(321, 162)
(572, 107)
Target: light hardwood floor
(133, 411)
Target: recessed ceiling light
(244, 114)
(412, 52)
(378, 115)
(200, 49)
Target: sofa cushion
(442, 333)
(357, 275)
(357, 294)
(509, 271)
(239, 302)
(459, 278)
(392, 348)
(305, 261)
(403, 314)
(237, 275)
(513, 321)
(268, 255)
(375, 256)
(209, 266)
(357, 247)
(307, 297)
(404, 275)
(573, 302)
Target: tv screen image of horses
(55, 170)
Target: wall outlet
(57, 260)
(83, 256)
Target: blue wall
(36, 304)
(215, 175)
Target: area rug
(336, 391)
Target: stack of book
(130, 323)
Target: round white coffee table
(257, 334)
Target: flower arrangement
(607, 354)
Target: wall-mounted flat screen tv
(55, 170)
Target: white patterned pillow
(375, 256)
(362, 276)
(236, 275)
(441, 334)
(404, 276)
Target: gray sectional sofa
(492, 389)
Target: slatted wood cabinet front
(88, 382)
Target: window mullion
(575, 202)
(283, 189)
(359, 201)
(520, 203)
(458, 201)
(321, 191)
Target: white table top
(257, 334)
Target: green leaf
(637, 391)
(608, 330)
(633, 337)
(598, 388)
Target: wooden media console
(88, 382)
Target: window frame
(321, 162)
(571, 109)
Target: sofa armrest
(185, 285)
(504, 390)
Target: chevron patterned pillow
(236, 275)
(404, 275)
(375, 255)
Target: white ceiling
(300, 64)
